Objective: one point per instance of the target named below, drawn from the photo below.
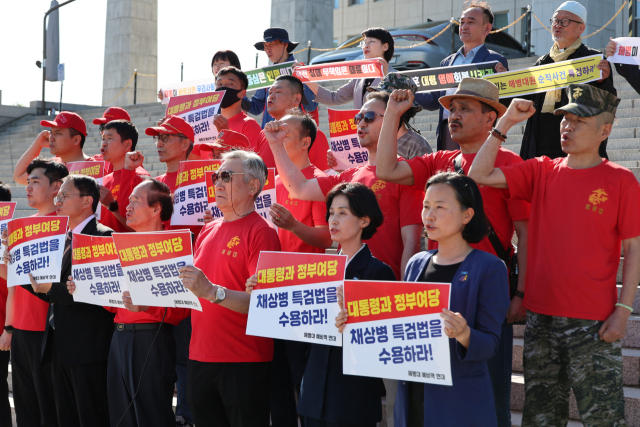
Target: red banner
(92, 169)
(369, 301)
(362, 69)
(23, 230)
(151, 247)
(90, 249)
(193, 171)
(278, 269)
(185, 103)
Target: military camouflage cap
(394, 81)
(588, 101)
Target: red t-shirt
(171, 178)
(578, 218)
(500, 210)
(4, 292)
(401, 206)
(257, 142)
(121, 183)
(312, 214)
(219, 334)
(152, 315)
(29, 311)
(318, 152)
(108, 167)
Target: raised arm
(20, 173)
(388, 167)
(299, 187)
(482, 169)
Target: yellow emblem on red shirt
(233, 242)
(598, 196)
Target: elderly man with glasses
(542, 131)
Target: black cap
(272, 34)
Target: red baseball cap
(67, 119)
(112, 113)
(172, 125)
(227, 140)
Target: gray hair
(252, 165)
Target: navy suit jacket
(480, 293)
(429, 100)
(328, 395)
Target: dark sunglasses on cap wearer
(368, 117)
(225, 176)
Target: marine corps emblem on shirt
(233, 242)
(115, 192)
(597, 197)
(377, 186)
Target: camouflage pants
(560, 354)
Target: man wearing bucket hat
(474, 108)
(65, 142)
(541, 136)
(278, 47)
(110, 114)
(575, 319)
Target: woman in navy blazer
(454, 217)
(328, 398)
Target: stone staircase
(623, 148)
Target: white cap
(575, 8)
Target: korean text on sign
(344, 140)
(36, 245)
(361, 69)
(6, 214)
(395, 331)
(198, 110)
(442, 78)
(626, 51)
(190, 198)
(151, 264)
(296, 297)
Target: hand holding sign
(500, 68)
(71, 285)
(196, 281)
(455, 326)
(611, 49)
(220, 122)
(129, 305)
(282, 217)
(39, 288)
(251, 283)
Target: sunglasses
(225, 176)
(368, 117)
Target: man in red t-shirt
(32, 381)
(582, 208)
(228, 371)
(398, 239)
(140, 328)
(474, 109)
(119, 141)
(110, 114)
(65, 143)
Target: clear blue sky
(188, 31)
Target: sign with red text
(94, 170)
(626, 51)
(344, 140)
(395, 331)
(190, 198)
(36, 245)
(262, 203)
(360, 69)
(443, 78)
(296, 297)
(198, 110)
(150, 263)
(6, 214)
(96, 271)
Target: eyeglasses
(368, 117)
(363, 44)
(102, 127)
(60, 197)
(164, 137)
(225, 176)
(563, 22)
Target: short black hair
(126, 130)
(226, 55)
(384, 36)
(88, 186)
(5, 192)
(482, 5)
(468, 195)
(74, 132)
(54, 171)
(308, 126)
(384, 97)
(294, 83)
(362, 203)
(233, 70)
(159, 192)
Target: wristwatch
(220, 295)
(113, 206)
(519, 294)
(9, 329)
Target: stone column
(131, 43)
(305, 20)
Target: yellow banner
(548, 77)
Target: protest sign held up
(36, 245)
(295, 298)
(150, 263)
(361, 69)
(395, 331)
(198, 110)
(190, 198)
(6, 213)
(442, 78)
(92, 169)
(344, 140)
(96, 271)
(626, 52)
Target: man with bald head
(541, 134)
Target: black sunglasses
(225, 176)
(368, 117)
